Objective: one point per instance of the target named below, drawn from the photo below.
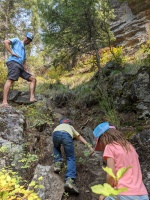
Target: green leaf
(109, 171)
(118, 191)
(121, 172)
(40, 178)
(107, 190)
(97, 189)
(4, 195)
(32, 184)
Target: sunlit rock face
(131, 26)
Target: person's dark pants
(65, 139)
(15, 70)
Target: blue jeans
(124, 197)
(65, 139)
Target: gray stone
(12, 124)
(53, 185)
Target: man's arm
(7, 44)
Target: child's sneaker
(70, 186)
(57, 167)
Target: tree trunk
(102, 88)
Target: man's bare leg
(6, 91)
(32, 87)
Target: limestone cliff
(131, 26)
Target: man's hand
(86, 144)
(13, 54)
(90, 148)
(7, 44)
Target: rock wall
(131, 26)
(130, 90)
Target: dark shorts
(15, 70)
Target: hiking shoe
(70, 186)
(57, 167)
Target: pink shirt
(133, 177)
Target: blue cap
(98, 131)
(101, 128)
(30, 35)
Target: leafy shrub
(28, 159)
(36, 64)
(35, 116)
(3, 74)
(146, 50)
(114, 55)
(142, 56)
(106, 105)
(108, 190)
(10, 188)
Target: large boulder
(12, 125)
(131, 92)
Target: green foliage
(106, 105)
(110, 172)
(86, 153)
(28, 159)
(57, 80)
(14, 14)
(10, 188)
(74, 27)
(4, 149)
(132, 68)
(36, 117)
(77, 79)
(43, 86)
(22, 14)
(108, 190)
(115, 55)
(3, 74)
(55, 73)
(140, 58)
(87, 62)
(146, 47)
(36, 64)
(118, 55)
(120, 172)
(81, 160)
(146, 51)
(65, 195)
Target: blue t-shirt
(19, 49)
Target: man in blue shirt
(17, 66)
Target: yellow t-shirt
(67, 128)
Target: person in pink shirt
(118, 153)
